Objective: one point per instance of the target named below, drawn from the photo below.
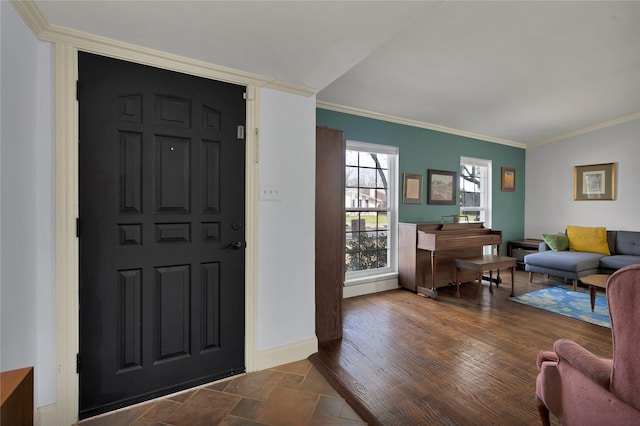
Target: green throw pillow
(557, 242)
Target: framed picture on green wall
(411, 188)
(508, 179)
(442, 187)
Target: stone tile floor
(291, 394)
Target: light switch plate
(270, 193)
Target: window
(475, 190)
(370, 209)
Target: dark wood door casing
(329, 233)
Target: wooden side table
(519, 249)
(595, 281)
(485, 263)
(16, 390)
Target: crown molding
(130, 52)
(415, 123)
(589, 129)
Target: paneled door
(161, 232)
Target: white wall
(549, 204)
(285, 277)
(27, 221)
(286, 254)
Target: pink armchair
(582, 389)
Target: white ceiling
(517, 71)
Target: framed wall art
(442, 187)
(411, 188)
(594, 182)
(508, 179)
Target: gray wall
(27, 296)
(549, 203)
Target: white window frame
(358, 277)
(485, 195)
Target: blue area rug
(573, 304)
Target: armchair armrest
(596, 369)
(544, 356)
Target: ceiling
(511, 71)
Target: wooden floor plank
(405, 359)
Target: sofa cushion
(611, 241)
(588, 239)
(628, 242)
(564, 260)
(556, 242)
(618, 261)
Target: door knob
(235, 245)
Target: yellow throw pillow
(590, 239)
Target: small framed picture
(508, 179)
(594, 182)
(411, 188)
(442, 187)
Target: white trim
(370, 285)
(414, 123)
(589, 129)
(486, 203)
(287, 353)
(481, 162)
(130, 52)
(66, 261)
(372, 147)
(392, 225)
(45, 415)
(252, 173)
(65, 411)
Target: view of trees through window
(367, 210)
(475, 190)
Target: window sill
(370, 284)
(370, 278)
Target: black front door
(161, 184)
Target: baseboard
(46, 415)
(287, 354)
(369, 287)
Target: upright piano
(427, 253)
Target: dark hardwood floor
(408, 360)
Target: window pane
(383, 159)
(354, 223)
(383, 220)
(475, 215)
(475, 192)
(352, 262)
(469, 199)
(365, 247)
(367, 178)
(368, 186)
(367, 198)
(351, 177)
(382, 178)
(381, 198)
(366, 160)
(351, 158)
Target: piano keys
(427, 253)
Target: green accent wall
(422, 149)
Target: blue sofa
(572, 265)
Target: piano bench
(484, 263)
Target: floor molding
(287, 353)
